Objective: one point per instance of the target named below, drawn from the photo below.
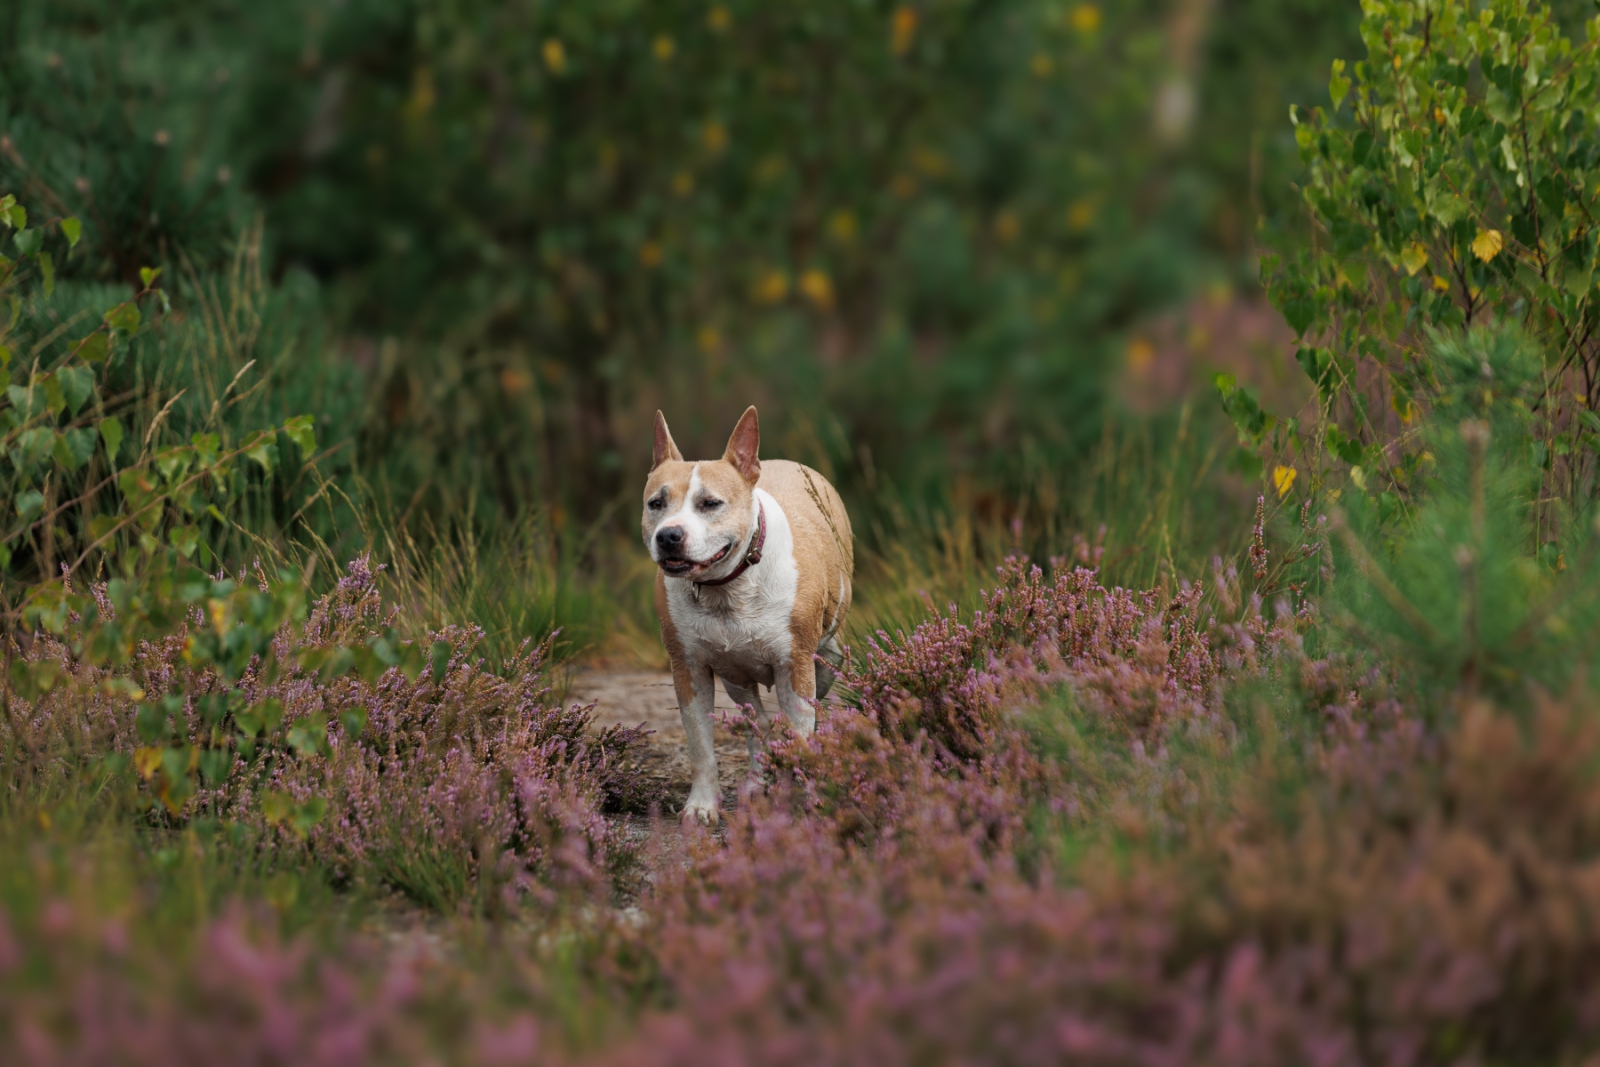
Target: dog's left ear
(745, 445)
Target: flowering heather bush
(1138, 658)
(1084, 825)
(244, 996)
(79, 989)
(436, 785)
(1431, 915)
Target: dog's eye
(656, 503)
(710, 505)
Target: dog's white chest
(744, 630)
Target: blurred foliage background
(946, 246)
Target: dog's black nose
(670, 537)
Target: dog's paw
(701, 810)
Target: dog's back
(824, 548)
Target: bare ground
(629, 698)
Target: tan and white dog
(755, 565)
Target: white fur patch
(742, 630)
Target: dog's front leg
(797, 688)
(696, 692)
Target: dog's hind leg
(832, 659)
(752, 697)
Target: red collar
(753, 556)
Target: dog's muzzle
(670, 546)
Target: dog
(754, 566)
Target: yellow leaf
(1441, 284)
(1359, 476)
(1414, 257)
(146, 760)
(903, 29)
(1081, 214)
(1141, 354)
(842, 226)
(555, 56)
(1488, 244)
(1282, 479)
(1403, 407)
(818, 289)
(1086, 18)
(771, 287)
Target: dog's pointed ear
(665, 448)
(744, 446)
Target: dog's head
(697, 516)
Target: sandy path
(629, 698)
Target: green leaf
(271, 712)
(206, 447)
(124, 318)
(1338, 84)
(354, 720)
(148, 275)
(30, 502)
(1243, 410)
(28, 241)
(184, 539)
(213, 707)
(151, 723)
(55, 401)
(95, 348)
(276, 807)
(261, 449)
(215, 764)
(101, 525)
(177, 787)
(47, 269)
(37, 443)
(308, 815)
(1360, 148)
(74, 447)
(174, 463)
(309, 736)
(77, 386)
(301, 433)
(72, 229)
(111, 434)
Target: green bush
(917, 233)
(1452, 183)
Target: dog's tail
(832, 659)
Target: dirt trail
(629, 698)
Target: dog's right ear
(665, 447)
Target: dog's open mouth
(679, 568)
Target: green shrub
(1452, 183)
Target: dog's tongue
(680, 567)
